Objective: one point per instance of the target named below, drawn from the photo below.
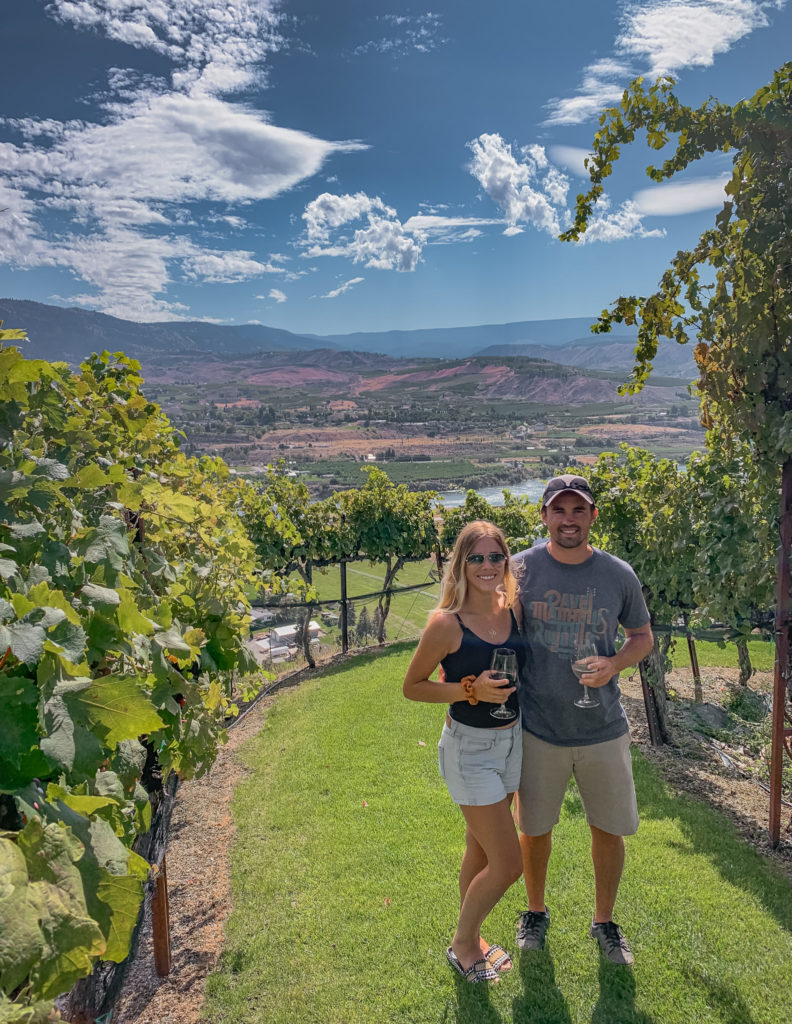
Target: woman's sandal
(479, 971)
(497, 957)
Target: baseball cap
(569, 482)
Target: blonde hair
(454, 586)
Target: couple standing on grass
(542, 604)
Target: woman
(480, 755)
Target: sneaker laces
(532, 921)
(612, 935)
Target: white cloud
(158, 149)
(433, 223)
(407, 34)
(343, 288)
(528, 190)
(174, 148)
(222, 267)
(383, 243)
(532, 192)
(674, 34)
(660, 37)
(277, 294)
(682, 197)
(218, 46)
(330, 211)
(615, 227)
(571, 158)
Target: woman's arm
(438, 640)
(441, 637)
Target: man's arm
(638, 644)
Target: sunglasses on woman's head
(494, 558)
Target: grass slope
(344, 882)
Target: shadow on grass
(709, 833)
(722, 995)
(473, 1004)
(616, 1002)
(541, 1000)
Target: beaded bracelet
(467, 687)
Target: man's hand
(635, 647)
(604, 671)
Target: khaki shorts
(603, 774)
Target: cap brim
(567, 490)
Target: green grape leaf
(131, 619)
(13, 484)
(95, 594)
(25, 640)
(120, 897)
(72, 939)
(58, 745)
(108, 784)
(173, 641)
(51, 469)
(22, 530)
(67, 639)
(116, 706)
(21, 941)
(8, 568)
(128, 762)
(18, 698)
(88, 478)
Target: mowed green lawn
(408, 612)
(345, 889)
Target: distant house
(286, 634)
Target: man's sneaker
(532, 928)
(612, 942)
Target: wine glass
(580, 658)
(504, 666)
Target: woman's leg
(474, 860)
(492, 830)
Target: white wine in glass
(580, 659)
(504, 666)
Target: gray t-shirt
(564, 605)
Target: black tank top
(472, 658)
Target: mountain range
(70, 334)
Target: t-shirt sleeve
(634, 612)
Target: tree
(644, 518)
(364, 627)
(388, 524)
(518, 517)
(733, 290)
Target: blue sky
(358, 165)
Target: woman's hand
(491, 689)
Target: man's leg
(546, 770)
(535, 857)
(607, 853)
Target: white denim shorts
(480, 766)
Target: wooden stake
(782, 654)
(652, 717)
(160, 923)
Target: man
(573, 593)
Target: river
(494, 495)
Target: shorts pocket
(472, 745)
